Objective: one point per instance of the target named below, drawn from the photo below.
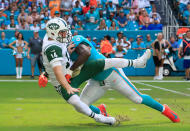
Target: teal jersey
(95, 55)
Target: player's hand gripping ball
(42, 81)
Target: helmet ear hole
(53, 34)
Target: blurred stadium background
(128, 27)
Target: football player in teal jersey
(111, 78)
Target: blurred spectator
(12, 25)
(19, 51)
(54, 5)
(110, 7)
(102, 14)
(66, 6)
(68, 18)
(4, 42)
(2, 18)
(106, 47)
(80, 3)
(56, 14)
(24, 25)
(75, 33)
(155, 25)
(94, 41)
(22, 16)
(134, 6)
(93, 3)
(159, 53)
(143, 18)
(131, 16)
(4, 4)
(120, 50)
(174, 43)
(186, 14)
(139, 44)
(129, 43)
(43, 25)
(14, 37)
(77, 10)
(33, 17)
(184, 51)
(113, 26)
(113, 41)
(126, 4)
(74, 22)
(86, 8)
(102, 25)
(79, 25)
(122, 20)
(88, 37)
(148, 41)
(35, 26)
(3, 27)
(91, 19)
(35, 44)
(154, 15)
(182, 5)
(111, 18)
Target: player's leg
(93, 91)
(122, 63)
(83, 108)
(122, 84)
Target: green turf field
(26, 107)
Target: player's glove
(68, 77)
(42, 81)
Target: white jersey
(52, 52)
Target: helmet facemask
(64, 36)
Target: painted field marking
(163, 81)
(143, 89)
(168, 90)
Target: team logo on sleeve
(53, 26)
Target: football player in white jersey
(56, 60)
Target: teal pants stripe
(146, 99)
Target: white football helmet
(55, 27)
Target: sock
(117, 63)
(80, 106)
(21, 71)
(95, 109)
(161, 71)
(149, 101)
(17, 71)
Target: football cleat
(102, 108)
(141, 62)
(170, 114)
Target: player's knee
(73, 100)
(146, 98)
(137, 99)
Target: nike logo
(53, 51)
(174, 115)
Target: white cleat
(141, 62)
(106, 120)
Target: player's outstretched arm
(62, 80)
(83, 52)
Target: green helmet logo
(53, 26)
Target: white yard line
(168, 90)
(163, 81)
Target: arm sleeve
(54, 53)
(83, 52)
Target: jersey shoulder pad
(78, 39)
(53, 52)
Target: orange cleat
(102, 108)
(170, 114)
